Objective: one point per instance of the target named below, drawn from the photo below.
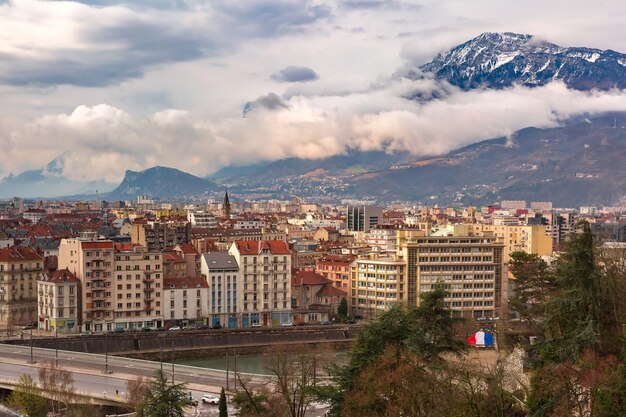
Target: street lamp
(32, 360)
(172, 362)
(106, 354)
(56, 345)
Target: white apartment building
(265, 280)
(58, 302)
(221, 271)
(202, 219)
(186, 300)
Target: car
(30, 326)
(174, 328)
(286, 324)
(256, 325)
(327, 323)
(192, 401)
(86, 333)
(210, 399)
(300, 323)
(350, 321)
(216, 326)
(203, 327)
(190, 327)
(160, 329)
(118, 330)
(147, 329)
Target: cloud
(294, 74)
(100, 43)
(100, 142)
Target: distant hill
(351, 162)
(161, 183)
(582, 162)
(498, 60)
(47, 183)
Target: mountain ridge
(499, 60)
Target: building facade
(266, 281)
(59, 302)
(91, 261)
(363, 218)
(19, 269)
(221, 271)
(138, 287)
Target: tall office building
(363, 218)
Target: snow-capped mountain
(498, 60)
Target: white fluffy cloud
(102, 141)
(176, 76)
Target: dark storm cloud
(294, 74)
(126, 41)
(144, 45)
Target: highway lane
(210, 380)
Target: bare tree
(58, 383)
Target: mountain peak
(499, 60)
(161, 182)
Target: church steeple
(226, 207)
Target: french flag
(481, 339)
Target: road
(90, 379)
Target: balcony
(98, 279)
(99, 308)
(150, 290)
(148, 279)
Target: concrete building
(186, 300)
(34, 215)
(202, 219)
(336, 268)
(377, 282)
(225, 303)
(138, 287)
(19, 269)
(156, 236)
(266, 278)
(363, 218)
(59, 302)
(92, 262)
(469, 267)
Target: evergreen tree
(164, 399)
(223, 406)
(342, 310)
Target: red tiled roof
(170, 257)
(18, 253)
(125, 247)
(188, 248)
(253, 247)
(60, 276)
(331, 291)
(308, 278)
(190, 282)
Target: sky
(103, 86)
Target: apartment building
(266, 281)
(138, 287)
(59, 302)
(186, 300)
(202, 219)
(377, 282)
(336, 268)
(19, 269)
(156, 235)
(221, 271)
(530, 239)
(470, 268)
(92, 262)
